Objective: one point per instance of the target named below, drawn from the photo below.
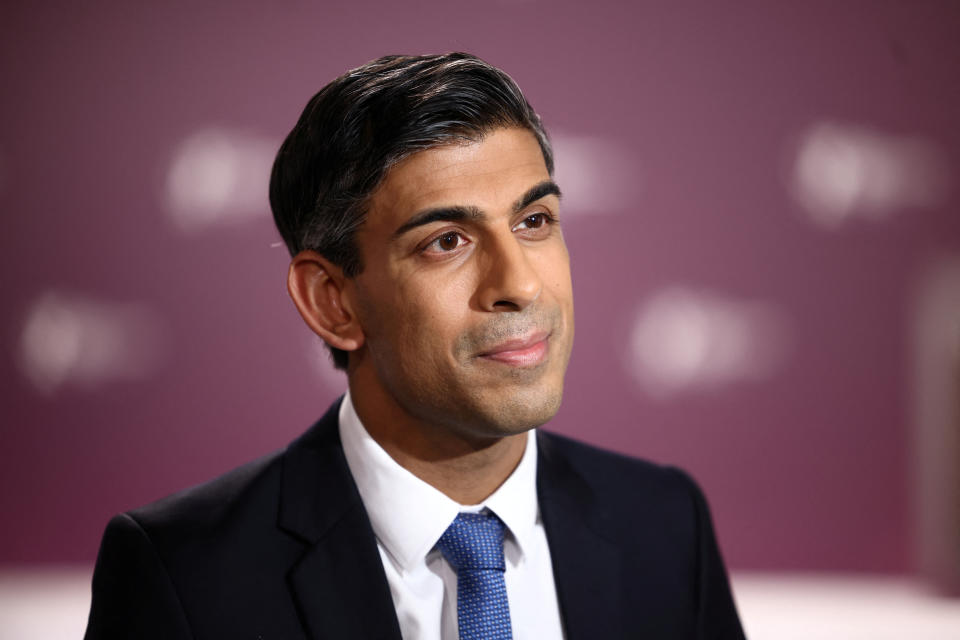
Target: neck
(465, 467)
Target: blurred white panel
(843, 171)
(936, 428)
(842, 607)
(684, 340)
(596, 175)
(70, 338)
(44, 603)
(219, 176)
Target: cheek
(555, 272)
(557, 280)
(431, 311)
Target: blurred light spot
(596, 175)
(219, 176)
(87, 342)
(845, 171)
(684, 340)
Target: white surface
(842, 607)
(44, 604)
(52, 604)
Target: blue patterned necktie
(473, 545)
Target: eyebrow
(460, 213)
(534, 193)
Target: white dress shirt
(409, 516)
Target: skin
(460, 325)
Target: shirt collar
(408, 515)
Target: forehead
(490, 174)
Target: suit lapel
(338, 585)
(586, 565)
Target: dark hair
(367, 120)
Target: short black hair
(367, 120)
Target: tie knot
(474, 541)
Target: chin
(518, 410)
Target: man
(416, 198)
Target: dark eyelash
(432, 242)
(548, 218)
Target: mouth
(528, 351)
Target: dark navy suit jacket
(282, 548)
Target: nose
(509, 280)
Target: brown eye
(448, 241)
(536, 222)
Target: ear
(317, 288)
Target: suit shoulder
(209, 504)
(605, 469)
(240, 506)
(626, 495)
(625, 491)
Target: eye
(536, 221)
(446, 242)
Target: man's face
(465, 298)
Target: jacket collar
(338, 585)
(586, 563)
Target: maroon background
(809, 468)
